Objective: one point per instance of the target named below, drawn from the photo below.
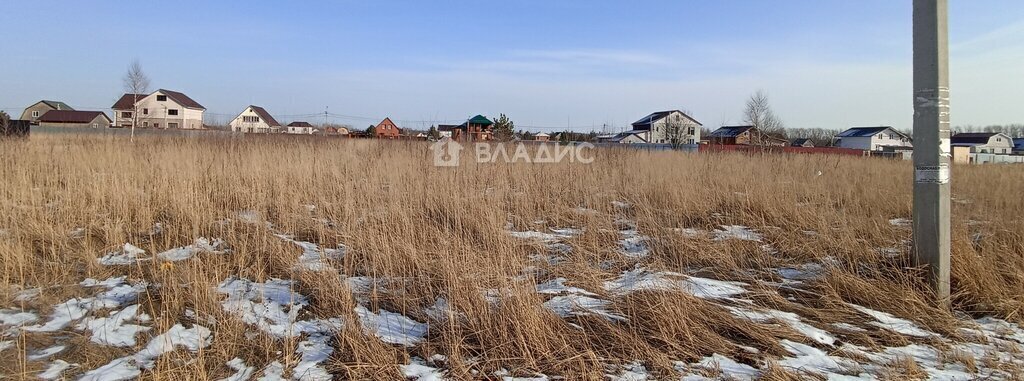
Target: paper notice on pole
(944, 148)
(932, 174)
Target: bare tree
(760, 115)
(135, 82)
(678, 130)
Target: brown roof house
(74, 119)
(255, 120)
(33, 112)
(159, 109)
(386, 129)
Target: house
(984, 142)
(299, 128)
(802, 142)
(256, 120)
(445, 130)
(744, 135)
(386, 129)
(33, 112)
(159, 109)
(541, 137)
(630, 137)
(672, 126)
(77, 119)
(333, 130)
(477, 128)
(1018, 146)
(880, 138)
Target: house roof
(729, 131)
(263, 114)
(973, 138)
(622, 135)
(182, 99)
(446, 127)
(1018, 143)
(864, 131)
(541, 134)
(387, 121)
(71, 116)
(57, 105)
(800, 141)
(659, 115)
(480, 119)
(127, 101)
(299, 124)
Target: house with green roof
(477, 128)
(36, 110)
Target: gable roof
(387, 121)
(127, 101)
(263, 114)
(973, 138)
(71, 116)
(56, 105)
(182, 99)
(866, 131)
(801, 141)
(729, 131)
(659, 115)
(446, 127)
(622, 135)
(299, 124)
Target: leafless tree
(760, 115)
(135, 82)
(677, 130)
(5, 120)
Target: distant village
(672, 129)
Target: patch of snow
(579, 305)
(791, 319)
(689, 232)
(631, 372)
(848, 327)
(6, 344)
(201, 245)
(55, 370)
(129, 254)
(902, 222)
(557, 286)
(738, 232)
(417, 370)
(640, 279)
(807, 271)
(892, 323)
(313, 351)
(391, 327)
(63, 314)
(810, 359)
(12, 317)
(114, 330)
(243, 372)
(271, 306)
(44, 353)
(27, 295)
(273, 372)
(129, 367)
(313, 256)
(622, 204)
(729, 367)
(633, 244)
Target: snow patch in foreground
(201, 245)
(392, 327)
(738, 232)
(129, 367)
(640, 279)
(128, 255)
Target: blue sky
(546, 64)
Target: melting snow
(391, 327)
(893, 323)
(791, 319)
(633, 244)
(640, 279)
(243, 372)
(13, 317)
(417, 370)
(273, 372)
(201, 245)
(55, 370)
(900, 222)
(129, 367)
(727, 366)
(271, 306)
(114, 330)
(739, 232)
(573, 304)
(42, 354)
(313, 256)
(314, 351)
(128, 255)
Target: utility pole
(931, 143)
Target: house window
(161, 98)
(35, 114)
(156, 125)
(172, 112)
(145, 111)
(172, 125)
(145, 124)
(94, 125)
(126, 114)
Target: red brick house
(386, 129)
(744, 135)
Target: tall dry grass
(441, 232)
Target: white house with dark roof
(255, 120)
(661, 126)
(879, 138)
(300, 128)
(159, 109)
(984, 142)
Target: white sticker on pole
(944, 148)
(932, 174)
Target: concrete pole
(931, 143)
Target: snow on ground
(901, 222)
(129, 367)
(419, 371)
(313, 256)
(271, 306)
(243, 372)
(118, 293)
(55, 370)
(313, 351)
(557, 286)
(640, 279)
(391, 327)
(738, 232)
(633, 244)
(201, 245)
(128, 255)
(791, 319)
(580, 305)
(115, 329)
(893, 323)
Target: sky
(548, 65)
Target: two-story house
(880, 138)
(477, 128)
(386, 129)
(255, 120)
(33, 112)
(669, 127)
(984, 142)
(160, 109)
(744, 135)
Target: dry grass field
(348, 259)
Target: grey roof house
(33, 112)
